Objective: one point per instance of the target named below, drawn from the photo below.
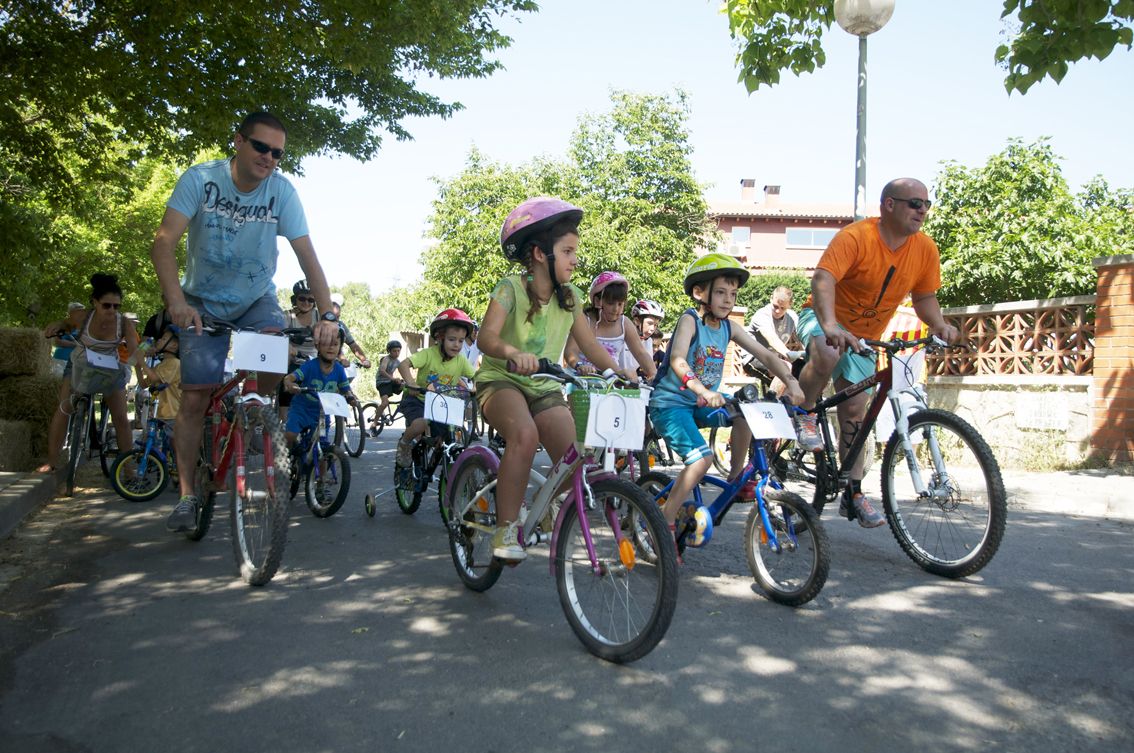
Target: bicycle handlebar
(932, 342)
(556, 373)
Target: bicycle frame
(233, 441)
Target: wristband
(689, 377)
(608, 373)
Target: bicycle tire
(354, 432)
(652, 484)
(77, 439)
(409, 500)
(371, 419)
(470, 547)
(336, 484)
(722, 453)
(203, 489)
(622, 612)
(969, 509)
(783, 576)
(258, 511)
(133, 486)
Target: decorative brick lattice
(1049, 337)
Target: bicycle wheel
(203, 489)
(326, 491)
(956, 527)
(139, 476)
(409, 494)
(354, 432)
(108, 448)
(621, 609)
(652, 484)
(259, 513)
(371, 420)
(77, 439)
(794, 574)
(722, 452)
(470, 521)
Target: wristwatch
(329, 317)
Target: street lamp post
(862, 18)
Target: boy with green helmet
(685, 390)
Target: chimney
(771, 196)
(748, 189)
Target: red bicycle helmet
(532, 217)
(451, 318)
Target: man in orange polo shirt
(868, 269)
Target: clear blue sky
(935, 94)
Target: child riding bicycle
(685, 391)
(324, 373)
(443, 365)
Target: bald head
(903, 188)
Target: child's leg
(416, 428)
(678, 426)
(507, 411)
(741, 441)
(291, 438)
(689, 477)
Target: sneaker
(404, 455)
(506, 545)
(860, 507)
(807, 429)
(403, 476)
(184, 515)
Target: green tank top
(545, 335)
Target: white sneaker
(506, 544)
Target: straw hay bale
(16, 446)
(29, 398)
(23, 352)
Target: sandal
(45, 468)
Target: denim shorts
(851, 367)
(202, 355)
(680, 427)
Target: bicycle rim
(791, 568)
(354, 433)
(138, 476)
(621, 609)
(259, 516)
(78, 440)
(469, 522)
(326, 490)
(956, 529)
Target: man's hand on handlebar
(185, 316)
(841, 340)
(947, 332)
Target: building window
(741, 236)
(810, 237)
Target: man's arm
(823, 301)
(163, 253)
(766, 326)
(324, 332)
(929, 311)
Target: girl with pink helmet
(529, 317)
(608, 300)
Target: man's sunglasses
(263, 148)
(914, 203)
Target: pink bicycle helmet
(647, 308)
(532, 217)
(604, 281)
(451, 318)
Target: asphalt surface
(116, 635)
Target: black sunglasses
(109, 306)
(263, 148)
(914, 203)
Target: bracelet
(687, 378)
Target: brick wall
(1112, 436)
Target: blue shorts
(851, 367)
(680, 429)
(202, 355)
(303, 413)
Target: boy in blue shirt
(685, 388)
(325, 374)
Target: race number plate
(444, 409)
(615, 421)
(101, 360)
(255, 352)
(768, 420)
(334, 404)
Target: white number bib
(768, 420)
(255, 352)
(101, 360)
(444, 409)
(334, 404)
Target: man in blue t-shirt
(233, 210)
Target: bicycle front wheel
(955, 527)
(471, 520)
(328, 483)
(259, 514)
(794, 568)
(354, 432)
(371, 421)
(77, 440)
(139, 476)
(620, 605)
(719, 442)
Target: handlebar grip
(545, 366)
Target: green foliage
(171, 79)
(630, 171)
(1012, 230)
(778, 35)
(757, 293)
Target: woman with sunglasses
(102, 329)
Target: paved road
(117, 636)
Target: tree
(170, 78)
(1012, 229)
(777, 35)
(628, 169)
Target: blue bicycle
(323, 468)
(786, 545)
(145, 471)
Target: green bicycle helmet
(713, 265)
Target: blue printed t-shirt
(429, 364)
(232, 250)
(706, 358)
(545, 335)
(310, 374)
